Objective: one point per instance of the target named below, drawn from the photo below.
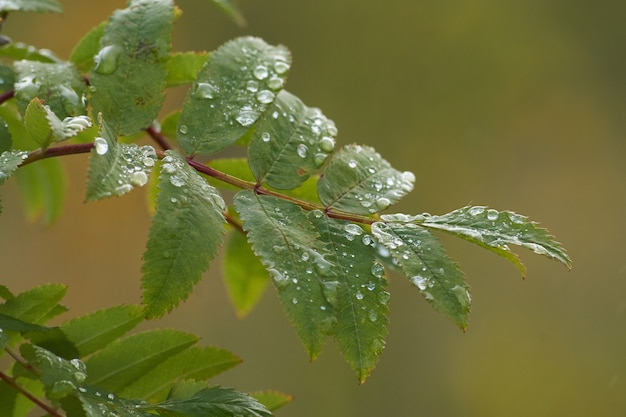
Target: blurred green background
(515, 105)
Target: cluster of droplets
(9, 161)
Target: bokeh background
(515, 105)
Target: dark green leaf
(7, 77)
(35, 304)
(232, 11)
(358, 180)
(83, 53)
(128, 80)
(124, 361)
(215, 402)
(495, 230)
(42, 186)
(94, 331)
(245, 277)
(273, 400)
(59, 85)
(186, 389)
(96, 402)
(291, 249)
(423, 259)
(6, 143)
(5, 293)
(116, 168)
(194, 363)
(185, 234)
(360, 292)
(9, 161)
(30, 6)
(183, 67)
(290, 142)
(8, 323)
(19, 50)
(232, 90)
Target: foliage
(304, 217)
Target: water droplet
(275, 83)
(252, 86)
(377, 345)
(281, 67)
(294, 300)
(319, 159)
(111, 397)
(382, 203)
(302, 150)
(420, 282)
(265, 137)
(265, 96)
(377, 270)
(408, 176)
(260, 72)
(101, 145)
(305, 256)
(139, 178)
(206, 91)
(367, 240)
(183, 129)
(476, 210)
(275, 115)
(147, 161)
(352, 163)
(327, 144)
(106, 59)
(373, 316)
(492, 214)
(358, 295)
(353, 229)
(517, 218)
(247, 115)
(177, 181)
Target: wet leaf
(87, 48)
(30, 6)
(20, 50)
(35, 305)
(9, 161)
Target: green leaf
(15, 124)
(124, 361)
(231, 91)
(96, 402)
(83, 53)
(194, 363)
(360, 292)
(128, 80)
(244, 275)
(5, 293)
(358, 180)
(42, 187)
(116, 168)
(168, 124)
(214, 402)
(183, 67)
(30, 6)
(7, 77)
(291, 249)
(94, 331)
(423, 259)
(185, 234)
(8, 323)
(6, 142)
(231, 11)
(59, 85)
(60, 377)
(19, 50)
(273, 400)
(36, 304)
(290, 142)
(36, 123)
(495, 230)
(9, 161)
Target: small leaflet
(291, 141)
(359, 181)
(9, 161)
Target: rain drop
(183, 129)
(265, 96)
(367, 240)
(302, 150)
(372, 316)
(275, 83)
(106, 59)
(281, 67)
(353, 229)
(327, 144)
(492, 214)
(383, 203)
(319, 159)
(247, 115)
(265, 136)
(176, 181)
(352, 163)
(139, 178)
(294, 300)
(377, 270)
(476, 210)
(205, 91)
(252, 86)
(359, 295)
(101, 145)
(260, 72)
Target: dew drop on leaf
(492, 214)
(476, 210)
(302, 150)
(106, 59)
(275, 83)
(377, 270)
(183, 129)
(358, 295)
(176, 181)
(260, 72)
(353, 229)
(352, 163)
(265, 136)
(252, 86)
(327, 144)
(205, 91)
(265, 96)
(281, 67)
(139, 178)
(101, 145)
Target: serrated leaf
(8, 323)
(42, 187)
(273, 400)
(358, 180)
(214, 402)
(129, 75)
(5, 293)
(423, 260)
(183, 67)
(360, 292)
(116, 168)
(244, 275)
(495, 230)
(96, 402)
(231, 91)
(7, 78)
(36, 304)
(59, 85)
(36, 123)
(20, 50)
(194, 363)
(290, 142)
(122, 362)
(94, 331)
(291, 249)
(30, 6)
(231, 11)
(87, 47)
(15, 124)
(9, 161)
(185, 234)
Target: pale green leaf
(35, 305)
(87, 47)
(360, 292)
(358, 180)
(20, 50)
(272, 400)
(214, 402)
(231, 92)
(231, 11)
(291, 249)
(96, 330)
(124, 361)
(423, 260)
(183, 67)
(116, 168)
(129, 76)
(9, 161)
(59, 85)
(36, 123)
(495, 230)
(30, 6)
(245, 277)
(42, 187)
(185, 234)
(290, 142)
(193, 363)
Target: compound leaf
(124, 361)
(35, 305)
(42, 187)
(185, 233)
(30, 6)
(290, 142)
(358, 180)
(290, 248)
(9, 161)
(183, 67)
(422, 258)
(360, 296)
(129, 74)
(231, 91)
(495, 230)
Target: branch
(10, 381)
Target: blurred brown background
(516, 105)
